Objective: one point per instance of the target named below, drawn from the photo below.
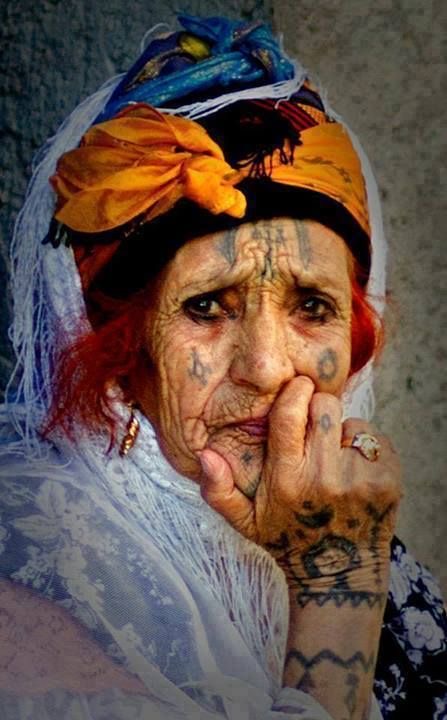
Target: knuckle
(339, 493)
(385, 487)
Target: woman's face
(233, 317)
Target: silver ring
(366, 444)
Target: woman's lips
(256, 428)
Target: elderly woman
(190, 528)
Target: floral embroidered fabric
(411, 673)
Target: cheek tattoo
(327, 365)
(199, 370)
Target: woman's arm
(332, 648)
(327, 515)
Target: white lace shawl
(165, 587)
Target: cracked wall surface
(383, 65)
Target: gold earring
(132, 430)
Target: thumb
(220, 492)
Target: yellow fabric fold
(327, 162)
(140, 163)
(125, 167)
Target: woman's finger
(286, 442)
(324, 439)
(288, 420)
(218, 489)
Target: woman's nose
(262, 357)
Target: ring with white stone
(366, 444)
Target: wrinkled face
(234, 316)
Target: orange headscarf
(143, 161)
(137, 165)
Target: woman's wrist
(364, 584)
(334, 631)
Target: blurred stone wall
(383, 64)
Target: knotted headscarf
(136, 162)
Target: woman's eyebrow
(313, 279)
(205, 280)
(203, 284)
(321, 280)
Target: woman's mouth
(258, 427)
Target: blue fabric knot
(209, 57)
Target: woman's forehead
(302, 249)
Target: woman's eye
(317, 308)
(203, 307)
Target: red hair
(109, 354)
(87, 368)
(367, 326)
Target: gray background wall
(384, 65)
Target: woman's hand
(325, 513)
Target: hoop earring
(131, 434)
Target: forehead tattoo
(226, 245)
(304, 244)
(272, 233)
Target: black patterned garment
(411, 674)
